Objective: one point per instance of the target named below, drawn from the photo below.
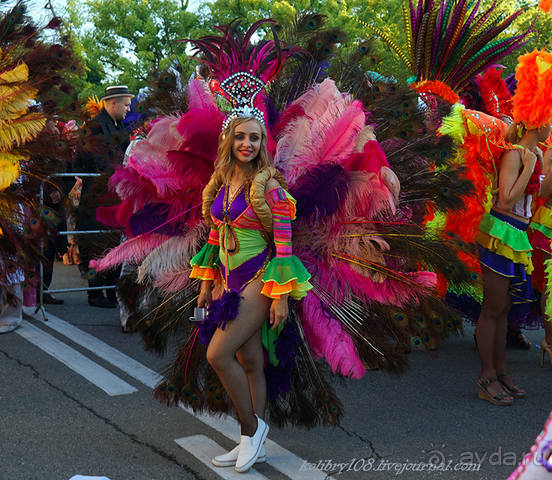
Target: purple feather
(220, 312)
(150, 217)
(419, 16)
(278, 378)
(412, 18)
(511, 83)
(272, 113)
(320, 192)
(453, 23)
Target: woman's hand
(529, 159)
(205, 294)
(279, 311)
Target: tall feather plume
(451, 41)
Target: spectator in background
(104, 142)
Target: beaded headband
(242, 88)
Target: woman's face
(247, 141)
(544, 132)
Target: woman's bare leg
(221, 353)
(491, 326)
(251, 358)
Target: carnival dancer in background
(540, 235)
(504, 248)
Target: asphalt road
(56, 423)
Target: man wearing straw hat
(104, 142)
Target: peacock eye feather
(416, 341)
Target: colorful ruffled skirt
(505, 249)
(540, 229)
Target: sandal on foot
(501, 399)
(515, 390)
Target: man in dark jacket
(104, 141)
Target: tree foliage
(121, 41)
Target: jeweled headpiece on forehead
(242, 68)
(242, 88)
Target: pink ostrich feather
(328, 339)
(174, 255)
(129, 185)
(326, 132)
(173, 282)
(368, 197)
(133, 250)
(323, 101)
(164, 179)
(199, 96)
(294, 143)
(390, 291)
(199, 130)
(339, 139)
(163, 136)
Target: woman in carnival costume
(367, 299)
(540, 236)
(503, 244)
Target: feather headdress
(449, 42)
(532, 102)
(243, 68)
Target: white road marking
(94, 373)
(276, 456)
(106, 352)
(205, 449)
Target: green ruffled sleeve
(205, 264)
(286, 275)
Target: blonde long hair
(224, 163)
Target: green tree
(122, 41)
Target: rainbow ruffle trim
(205, 263)
(505, 240)
(286, 275)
